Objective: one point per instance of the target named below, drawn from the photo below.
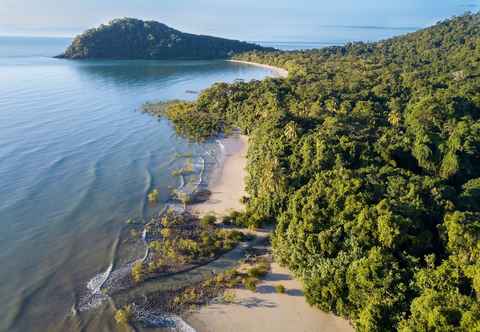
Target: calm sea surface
(77, 159)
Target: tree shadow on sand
(267, 289)
(294, 292)
(278, 277)
(253, 302)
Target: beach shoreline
(227, 184)
(275, 312)
(280, 72)
(271, 311)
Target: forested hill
(367, 159)
(130, 38)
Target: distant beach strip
(280, 72)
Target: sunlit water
(77, 159)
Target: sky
(259, 20)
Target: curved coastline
(283, 73)
(290, 311)
(227, 187)
(225, 198)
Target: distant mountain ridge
(130, 38)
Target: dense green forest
(367, 159)
(130, 38)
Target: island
(129, 38)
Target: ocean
(78, 159)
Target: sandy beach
(264, 310)
(267, 311)
(280, 72)
(228, 185)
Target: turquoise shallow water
(77, 160)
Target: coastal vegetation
(129, 38)
(215, 288)
(280, 289)
(178, 241)
(197, 126)
(367, 160)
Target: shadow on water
(145, 72)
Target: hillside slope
(130, 38)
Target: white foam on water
(95, 297)
(109, 278)
(201, 165)
(171, 322)
(97, 282)
(182, 182)
(181, 325)
(147, 248)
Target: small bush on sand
(259, 270)
(183, 197)
(280, 289)
(229, 296)
(263, 266)
(254, 272)
(250, 283)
